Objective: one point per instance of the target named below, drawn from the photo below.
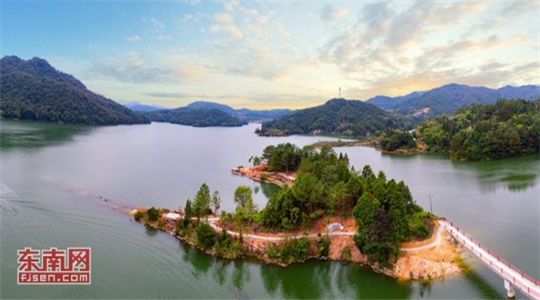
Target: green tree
(153, 213)
(243, 197)
(187, 213)
(138, 215)
(206, 237)
(201, 204)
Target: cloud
(156, 25)
(330, 13)
(224, 18)
(163, 37)
(231, 5)
(168, 95)
(131, 67)
(133, 38)
(230, 29)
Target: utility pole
(430, 207)
(339, 92)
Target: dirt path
(430, 245)
(212, 222)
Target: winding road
(212, 222)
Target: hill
(349, 118)
(140, 107)
(197, 117)
(243, 113)
(507, 128)
(449, 98)
(34, 90)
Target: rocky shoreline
(425, 264)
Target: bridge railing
(499, 259)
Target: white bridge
(512, 276)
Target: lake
(51, 176)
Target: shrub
(206, 236)
(346, 255)
(323, 246)
(264, 177)
(290, 251)
(161, 224)
(139, 215)
(153, 213)
(417, 226)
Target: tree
(139, 215)
(187, 213)
(201, 204)
(206, 237)
(153, 213)
(243, 195)
(216, 202)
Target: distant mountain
(243, 113)
(448, 98)
(34, 90)
(262, 115)
(213, 105)
(386, 102)
(197, 117)
(350, 118)
(140, 107)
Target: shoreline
(425, 263)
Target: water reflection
(150, 231)
(482, 286)
(240, 274)
(201, 263)
(30, 135)
(516, 174)
(365, 283)
(269, 189)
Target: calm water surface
(51, 176)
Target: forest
(326, 185)
(508, 128)
(396, 139)
(197, 117)
(347, 118)
(34, 90)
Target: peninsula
(324, 210)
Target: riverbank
(436, 257)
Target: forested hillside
(326, 185)
(34, 90)
(195, 117)
(507, 128)
(449, 98)
(348, 118)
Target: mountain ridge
(34, 90)
(448, 98)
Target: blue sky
(278, 53)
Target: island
(324, 210)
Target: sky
(276, 54)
